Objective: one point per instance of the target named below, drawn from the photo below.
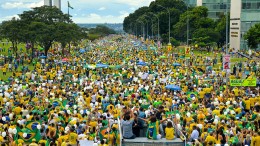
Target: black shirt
(159, 115)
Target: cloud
(96, 18)
(136, 3)
(21, 5)
(85, 11)
(8, 17)
(101, 8)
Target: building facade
(249, 15)
(48, 2)
(56, 3)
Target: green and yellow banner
(243, 82)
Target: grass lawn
(8, 74)
(5, 45)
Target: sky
(85, 11)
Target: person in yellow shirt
(236, 91)
(73, 138)
(169, 131)
(252, 101)
(93, 124)
(202, 94)
(33, 143)
(4, 70)
(62, 138)
(17, 110)
(248, 105)
(256, 140)
(210, 140)
(216, 111)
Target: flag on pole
(70, 5)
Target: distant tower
(57, 3)
(48, 2)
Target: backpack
(247, 142)
(152, 131)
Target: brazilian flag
(102, 132)
(152, 131)
(192, 94)
(32, 125)
(57, 102)
(30, 135)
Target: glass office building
(250, 13)
(216, 7)
(192, 3)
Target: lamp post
(169, 22)
(142, 27)
(152, 23)
(227, 27)
(136, 30)
(158, 25)
(187, 21)
(131, 29)
(188, 28)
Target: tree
(201, 27)
(131, 21)
(253, 36)
(205, 36)
(68, 32)
(175, 7)
(221, 28)
(102, 30)
(11, 30)
(45, 19)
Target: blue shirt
(194, 135)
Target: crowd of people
(120, 80)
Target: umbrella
(100, 65)
(173, 87)
(43, 56)
(163, 57)
(141, 63)
(176, 64)
(65, 59)
(82, 50)
(145, 48)
(91, 66)
(153, 48)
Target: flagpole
(68, 9)
(69, 17)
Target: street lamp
(187, 21)
(157, 26)
(151, 21)
(169, 22)
(136, 30)
(142, 27)
(188, 31)
(131, 29)
(227, 27)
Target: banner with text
(243, 82)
